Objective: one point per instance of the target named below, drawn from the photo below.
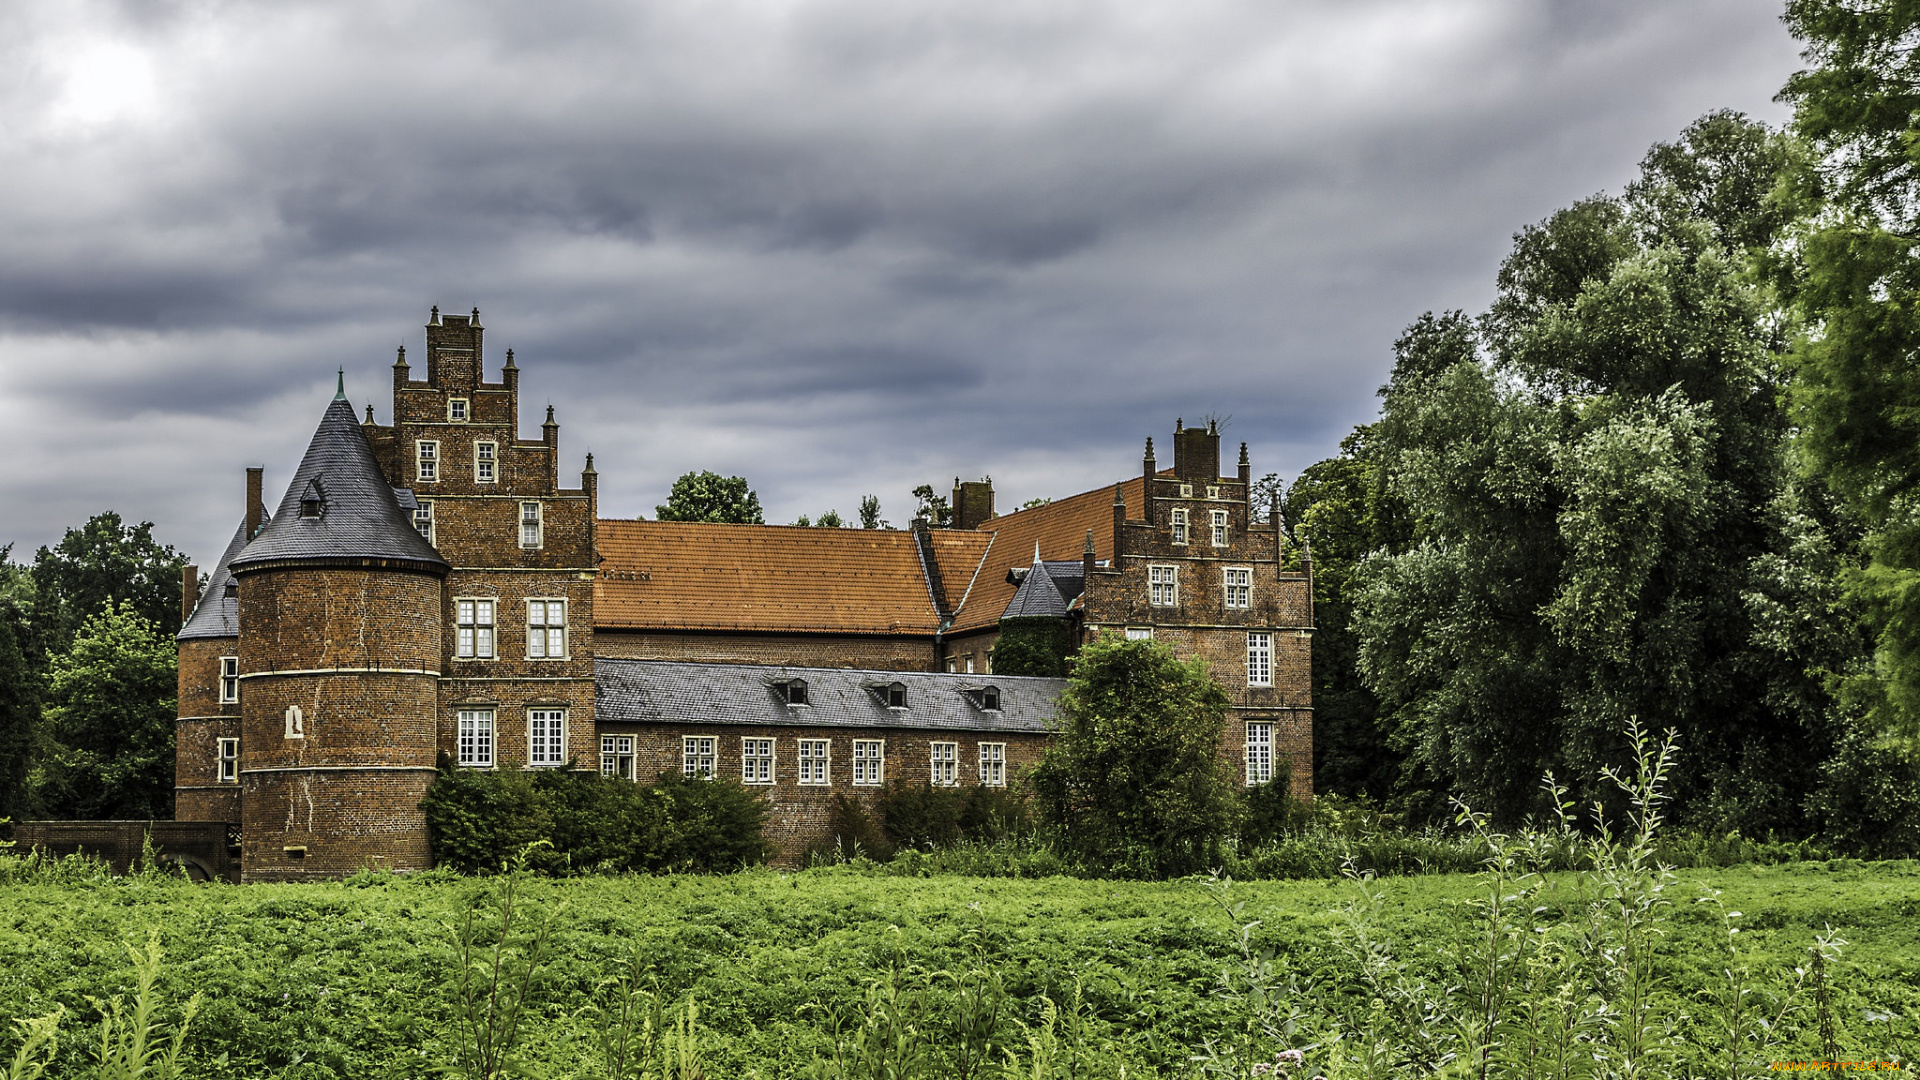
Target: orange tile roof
(682, 575)
(1060, 528)
(959, 555)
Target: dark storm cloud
(837, 246)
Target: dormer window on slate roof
(313, 500)
(897, 696)
(990, 699)
(794, 691)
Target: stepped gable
(350, 511)
(1060, 528)
(1037, 597)
(682, 692)
(217, 615)
(687, 575)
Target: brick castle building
(430, 591)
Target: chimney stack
(1196, 454)
(1246, 471)
(972, 503)
(189, 590)
(255, 511)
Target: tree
(1133, 779)
(707, 496)
(99, 564)
(870, 513)
(933, 507)
(828, 520)
(110, 718)
(1032, 646)
(19, 692)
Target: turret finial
(549, 414)
(401, 359)
(1088, 550)
(1243, 455)
(434, 319)
(1149, 446)
(340, 386)
(370, 414)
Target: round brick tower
(339, 649)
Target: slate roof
(685, 575)
(362, 516)
(1037, 597)
(217, 615)
(1060, 528)
(673, 692)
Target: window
(869, 755)
(1259, 753)
(227, 754)
(476, 738)
(1237, 590)
(946, 763)
(969, 664)
(616, 756)
(990, 699)
(795, 692)
(1179, 526)
(1260, 659)
(697, 755)
(993, 764)
(1212, 492)
(953, 665)
(756, 761)
(529, 524)
(229, 680)
(547, 729)
(484, 460)
(473, 629)
(814, 760)
(423, 518)
(1139, 633)
(426, 458)
(1163, 585)
(1186, 491)
(296, 723)
(1219, 528)
(457, 410)
(896, 696)
(546, 629)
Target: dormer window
(457, 410)
(794, 691)
(990, 699)
(313, 501)
(896, 696)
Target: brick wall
(875, 653)
(198, 794)
(802, 814)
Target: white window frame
(1259, 752)
(816, 761)
(1179, 523)
(943, 763)
(541, 634)
(869, 762)
(1139, 633)
(1220, 526)
(1163, 585)
(700, 756)
(226, 760)
(617, 757)
(486, 462)
(459, 410)
(229, 680)
(546, 738)
(423, 516)
(474, 738)
(1259, 658)
(426, 461)
(993, 764)
(1236, 587)
(533, 531)
(476, 628)
(756, 759)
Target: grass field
(352, 979)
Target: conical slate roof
(217, 615)
(359, 516)
(1038, 597)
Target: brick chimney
(1196, 454)
(972, 503)
(255, 510)
(189, 590)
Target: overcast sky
(835, 246)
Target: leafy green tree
(707, 496)
(933, 507)
(19, 704)
(1133, 780)
(1033, 646)
(829, 520)
(870, 513)
(110, 718)
(1594, 475)
(104, 562)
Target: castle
(429, 591)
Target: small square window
(473, 629)
(423, 518)
(896, 696)
(1186, 491)
(530, 530)
(457, 410)
(795, 691)
(1179, 526)
(869, 760)
(1163, 586)
(228, 755)
(485, 462)
(546, 629)
(1259, 754)
(1237, 587)
(476, 738)
(946, 763)
(229, 680)
(756, 761)
(815, 759)
(426, 457)
(993, 764)
(616, 756)
(547, 734)
(1212, 492)
(1259, 659)
(697, 756)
